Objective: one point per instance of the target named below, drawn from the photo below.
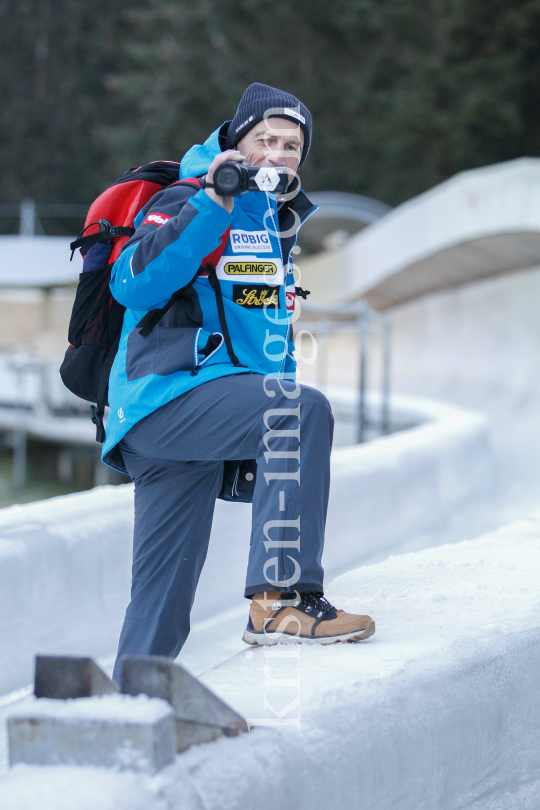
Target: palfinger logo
(250, 269)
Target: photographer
(211, 390)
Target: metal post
(19, 459)
(18, 465)
(65, 464)
(27, 224)
(102, 477)
(362, 342)
(386, 365)
(322, 353)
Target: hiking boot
(307, 618)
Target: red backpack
(97, 318)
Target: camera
(231, 179)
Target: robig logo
(243, 241)
(250, 268)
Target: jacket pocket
(239, 478)
(168, 349)
(207, 346)
(165, 351)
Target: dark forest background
(404, 93)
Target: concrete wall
(485, 334)
(480, 223)
(35, 320)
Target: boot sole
(268, 639)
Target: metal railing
(32, 404)
(28, 212)
(333, 318)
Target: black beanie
(258, 99)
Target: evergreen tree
(54, 61)
(404, 93)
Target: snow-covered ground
(440, 709)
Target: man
(213, 386)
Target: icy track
(440, 710)
(65, 563)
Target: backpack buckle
(97, 419)
(97, 416)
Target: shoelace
(314, 604)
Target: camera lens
(227, 179)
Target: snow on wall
(440, 709)
(65, 563)
(384, 492)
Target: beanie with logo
(258, 100)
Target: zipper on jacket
(289, 324)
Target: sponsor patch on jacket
(155, 219)
(242, 241)
(289, 300)
(250, 268)
(255, 296)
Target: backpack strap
(153, 316)
(106, 233)
(98, 410)
(214, 283)
(149, 321)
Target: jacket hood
(197, 160)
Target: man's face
(273, 142)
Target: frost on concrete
(116, 731)
(440, 709)
(105, 708)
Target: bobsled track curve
(65, 563)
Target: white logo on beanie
(251, 117)
(297, 115)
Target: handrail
(367, 320)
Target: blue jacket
(175, 231)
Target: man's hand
(226, 202)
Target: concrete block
(189, 732)
(66, 676)
(200, 715)
(114, 731)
